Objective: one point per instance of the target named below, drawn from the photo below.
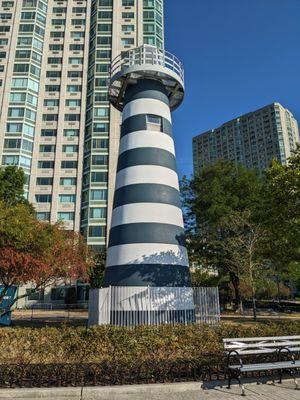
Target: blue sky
(239, 55)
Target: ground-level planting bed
(110, 355)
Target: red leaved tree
(38, 253)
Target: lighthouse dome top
(146, 62)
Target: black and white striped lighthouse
(146, 240)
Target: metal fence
(132, 306)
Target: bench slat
(267, 366)
(258, 339)
(265, 351)
(240, 345)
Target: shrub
(115, 344)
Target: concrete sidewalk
(174, 391)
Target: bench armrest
(233, 353)
(285, 349)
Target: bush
(122, 345)
(112, 356)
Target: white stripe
(147, 212)
(147, 139)
(147, 174)
(146, 106)
(147, 253)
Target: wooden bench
(283, 349)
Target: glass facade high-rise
(56, 121)
(253, 139)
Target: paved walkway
(175, 391)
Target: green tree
(12, 181)
(280, 213)
(243, 241)
(211, 199)
(96, 274)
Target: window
(50, 117)
(98, 212)
(43, 216)
(105, 3)
(67, 198)
(68, 164)
(100, 143)
(14, 128)
(154, 122)
(99, 177)
(25, 162)
(72, 117)
(52, 88)
(69, 148)
(128, 15)
(104, 68)
(77, 35)
(76, 47)
(100, 127)
(75, 60)
(78, 21)
(105, 14)
(57, 34)
(97, 231)
(44, 181)
(10, 160)
(27, 145)
(127, 3)
(101, 112)
(36, 295)
(18, 97)
(58, 293)
(73, 88)
(73, 103)
(65, 216)
(46, 164)
(56, 47)
(54, 60)
(53, 74)
(71, 132)
(127, 41)
(47, 148)
(67, 181)
(16, 112)
(51, 102)
(104, 40)
(74, 74)
(127, 28)
(48, 132)
(104, 28)
(43, 198)
(99, 194)
(99, 160)
(12, 143)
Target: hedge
(110, 355)
(115, 344)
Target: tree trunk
(235, 280)
(278, 287)
(254, 304)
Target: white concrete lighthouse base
(132, 305)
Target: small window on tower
(154, 123)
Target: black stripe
(147, 275)
(138, 123)
(147, 193)
(146, 156)
(146, 89)
(146, 233)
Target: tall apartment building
(56, 121)
(253, 140)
